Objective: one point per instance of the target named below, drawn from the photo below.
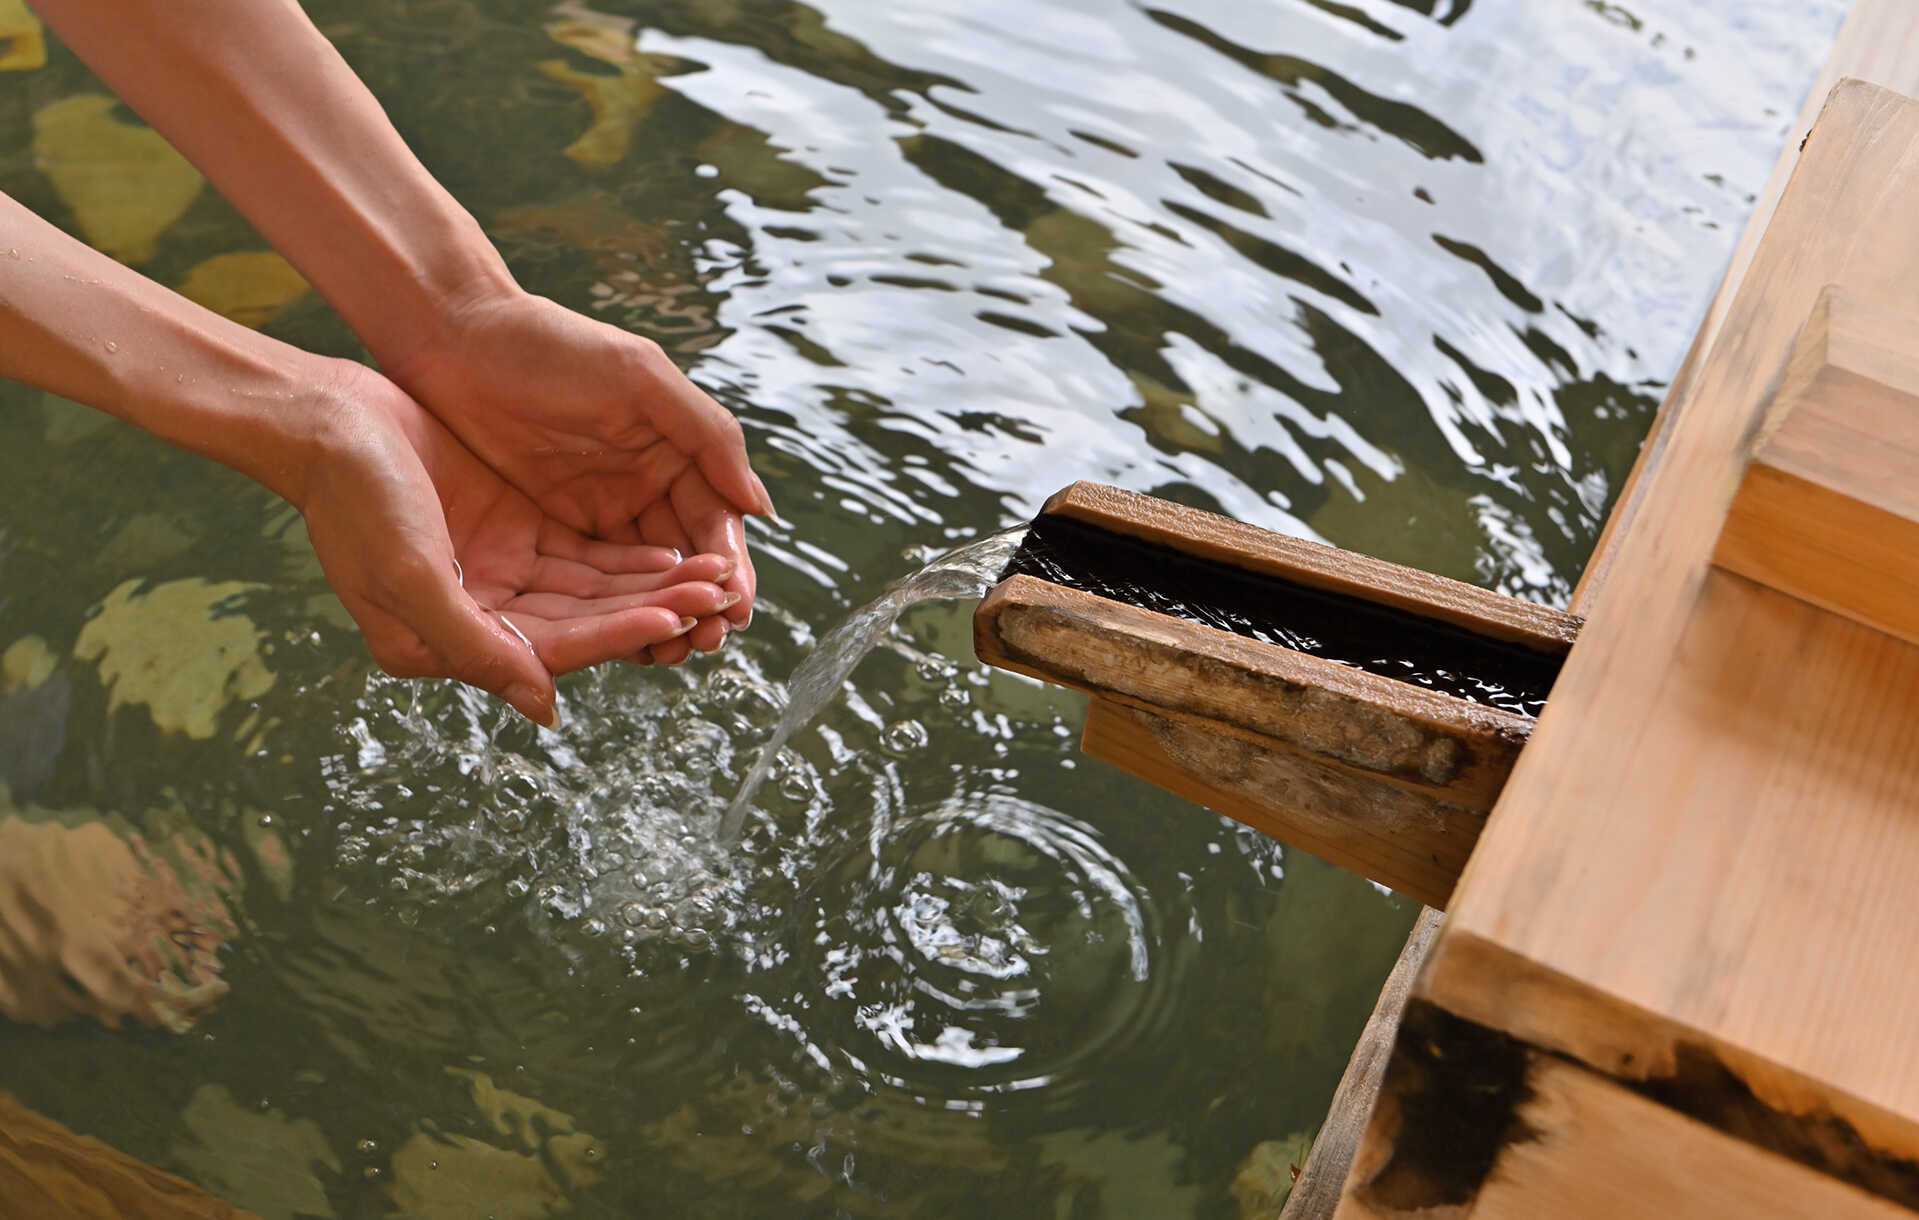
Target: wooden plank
(1879, 42)
(1471, 1126)
(1316, 566)
(1315, 1196)
(1458, 751)
(1712, 831)
(1828, 510)
(48, 1171)
(1402, 837)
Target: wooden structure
(1673, 979)
(1715, 934)
(1391, 780)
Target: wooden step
(1828, 508)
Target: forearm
(77, 323)
(261, 102)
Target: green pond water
(1407, 276)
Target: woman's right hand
(452, 572)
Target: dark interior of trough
(1339, 627)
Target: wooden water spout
(1379, 740)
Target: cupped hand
(599, 429)
(450, 571)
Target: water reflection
(1406, 275)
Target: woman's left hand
(598, 428)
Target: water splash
(966, 571)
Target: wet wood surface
(1390, 780)
(1531, 1136)
(1828, 509)
(1316, 1194)
(1316, 566)
(1400, 836)
(1386, 778)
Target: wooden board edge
(1314, 565)
(1468, 1124)
(1390, 833)
(1780, 532)
(1847, 49)
(1461, 750)
(1687, 1070)
(1322, 1179)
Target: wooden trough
(1674, 977)
(1377, 734)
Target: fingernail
(678, 555)
(686, 625)
(766, 500)
(729, 601)
(529, 702)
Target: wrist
(416, 288)
(251, 403)
(440, 314)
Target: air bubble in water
(904, 737)
(796, 785)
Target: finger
(694, 599)
(713, 436)
(551, 575)
(661, 525)
(561, 542)
(709, 634)
(395, 647)
(714, 526)
(568, 644)
(474, 646)
(673, 652)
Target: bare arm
(397, 508)
(595, 425)
(265, 107)
(76, 323)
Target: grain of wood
(1401, 837)
(1592, 1150)
(1459, 751)
(1828, 510)
(1316, 566)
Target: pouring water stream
(966, 571)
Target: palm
(600, 431)
(443, 563)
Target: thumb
(481, 649)
(713, 436)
